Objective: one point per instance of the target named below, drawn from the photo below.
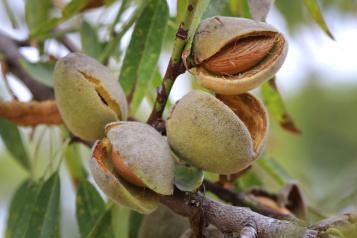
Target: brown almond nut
(124, 170)
(231, 55)
(240, 55)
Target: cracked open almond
(233, 55)
(133, 159)
(222, 134)
(88, 96)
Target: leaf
(316, 14)
(40, 71)
(11, 137)
(275, 104)
(70, 9)
(90, 43)
(239, 8)
(89, 207)
(73, 7)
(135, 220)
(188, 178)
(45, 219)
(274, 169)
(259, 9)
(36, 12)
(74, 163)
(143, 52)
(21, 208)
(248, 180)
(103, 226)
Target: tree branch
(31, 113)
(245, 200)
(11, 55)
(174, 68)
(228, 218)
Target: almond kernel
(240, 55)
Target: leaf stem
(175, 67)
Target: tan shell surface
(145, 152)
(82, 109)
(207, 134)
(217, 32)
(253, 114)
(139, 199)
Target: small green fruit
(132, 164)
(222, 135)
(88, 96)
(233, 55)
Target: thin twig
(10, 14)
(12, 56)
(175, 66)
(117, 18)
(228, 218)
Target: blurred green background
(320, 94)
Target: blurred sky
(310, 52)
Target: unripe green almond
(145, 152)
(247, 52)
(88, 96)
(139, 199)
(216, 137)
(163, 223)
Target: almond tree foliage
(203, 204)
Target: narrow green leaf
(239, 8)
(45, 220)
(135, 220)
(36, 12)
(70, 9)
(40, 71)
(74, 164)
(248, 180)
(21, 208)
(73, 7)
(11, 137)
(90, 43)
(10, 14)
(143, 51)
(315, 12)
(276, 107)
(274, 169)
(89, 207)
(103, 226)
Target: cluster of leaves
(35, 206)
